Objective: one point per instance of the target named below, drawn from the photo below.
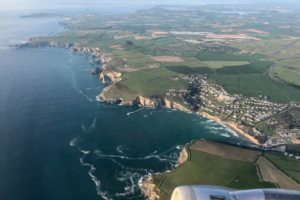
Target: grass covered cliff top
(237, 51)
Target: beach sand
(234, 127)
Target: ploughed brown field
(166, 59)
(225, 151)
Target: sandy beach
(233, 126)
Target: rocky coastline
(118, 93)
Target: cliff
(118, 93)
(183, 156)
(110, 74)
(149, 183)
(97, 70)
(36, 43)
(148, 188)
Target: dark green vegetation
(266, 129)
(288, 120)
(208, 169)
(189, 70)
(240, 60)
(288, 165)
(153, 81)
(263, 65)
(220, 56)
(244, 69)
(255, 85)
(293, 148)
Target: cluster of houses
(216, 100)
(249, 111)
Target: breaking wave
(135, 111)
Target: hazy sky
(52, 4)
(44, 4)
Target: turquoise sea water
(58, 142)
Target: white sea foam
(225, 135)
(135, 111)
(97, 182)
(73, 142)
(85, 96)
(214, 128)
(119, 149)
(94, 123)
(163, 157)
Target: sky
(43, 4)
(53, 4)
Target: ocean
(58, 142)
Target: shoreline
(233, 127)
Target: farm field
(270, 173)
(254, 85)
(287, 70)
(263, 65)
(208, 169)
(190, 70)
(207, 56)
(153, 81)
(289, 166)
(266, 47)
(242, 69)
(225, 151)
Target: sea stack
(92, 61)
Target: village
(245, 111)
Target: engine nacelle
(206, 192)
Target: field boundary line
(232, 181)
(281, 170)
(261, 176)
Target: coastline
(233, 127)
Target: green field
(153, 81)
(287, 70)
(293, 148)
(243, 69)
(263, 126)
(263, 65)
(190, 71)
(208, 169)
(289, 166)
(207, 56)
(254, 85)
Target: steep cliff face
(36, 43)
(110, 74)
(183, 156)
(97, 70)
(176, 106)
(148, 188)
(150, 102)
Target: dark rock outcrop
(97, 70)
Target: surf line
(135, 111)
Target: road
(283, 48)
(290, 106)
